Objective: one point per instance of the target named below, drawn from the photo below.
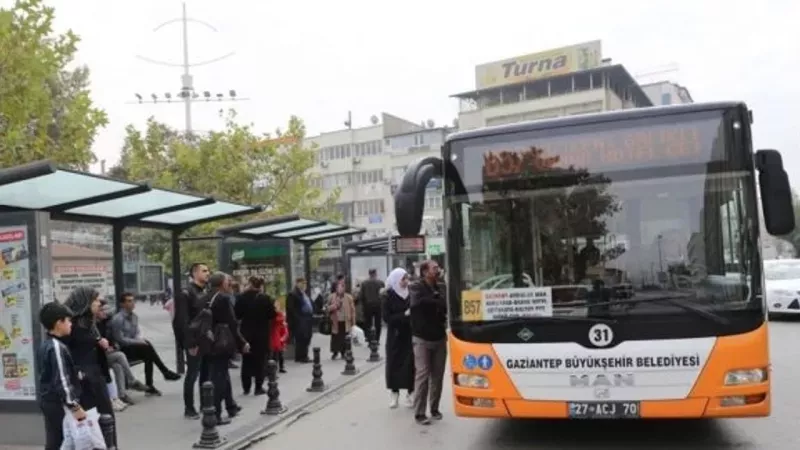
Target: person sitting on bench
(128, 336)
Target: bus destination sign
(627, 148)
(408, 244)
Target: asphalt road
(361, 420)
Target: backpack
(210, 339)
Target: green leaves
(233, 164)
(45, 110)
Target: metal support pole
(177, 275)
(307, 262)
(118, 262)
(187, 84)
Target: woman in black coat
(399, 350)
(87, 347)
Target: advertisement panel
(267, 259)
(560, 61)
(18, 381)
(69, 276)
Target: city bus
(607, 266)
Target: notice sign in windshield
(500, 304)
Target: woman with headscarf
(399, 350)
(88, 348)
(342, 310)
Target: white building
(367, 164)
(667, 93)
(559, 82)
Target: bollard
(317, 384)
(349, 367)
(209, 437)
(374, 356)
(109, 428)
(274, 405)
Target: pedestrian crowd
(85, 361)
(214, 321)
(88, 351)
(415, 314)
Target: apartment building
(667, 93)
(367, 164)
(558, 82)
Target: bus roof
(588, 119)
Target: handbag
(218, 340)
(224, 340)
(325, 325)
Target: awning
(368, 245)
(294, 227)
(84, 197)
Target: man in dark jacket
(300, 315)
(255, 311)
(429, 339)
(369, 299)
(188, 303)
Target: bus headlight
(748, 376)
(472, 381)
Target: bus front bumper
(690, 408)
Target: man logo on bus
(602, 380)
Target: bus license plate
(604, 410)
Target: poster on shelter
(16, 328)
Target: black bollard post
(274, 405)
(109, 428)
(349, 367)
(374, 355)
(317, 384)
(209, 437)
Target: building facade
(667, 93)
(559, 82)
(367, 164)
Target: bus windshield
(616, 239)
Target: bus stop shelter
(303, 231)
(33, 194)
(75, 196)
(367, 245)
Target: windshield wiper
(671, 300)
(528, 320)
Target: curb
(296, 411)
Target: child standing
(278, 336)
(59, 381)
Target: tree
(45, 109)
(234, 164)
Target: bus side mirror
(776, 193)
(409, 200)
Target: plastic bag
(112, 387)
(357, 336)
(83, 435)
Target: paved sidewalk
(157, 422)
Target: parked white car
(782, 285)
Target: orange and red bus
(607, 265)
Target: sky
(320, 59)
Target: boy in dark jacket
(59, 381)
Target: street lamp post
(187, 92)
